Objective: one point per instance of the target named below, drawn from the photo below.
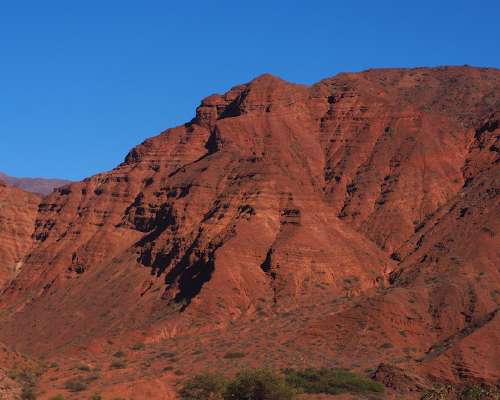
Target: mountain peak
(269, 79)
(265, 93)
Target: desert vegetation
(470, 392)
(27, 378)
(331, 381)
(266, 384)
(75, 385)
(138, 346)
(118, 364)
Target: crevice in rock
(266, 267)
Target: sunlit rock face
(18, 211)
(369, 199)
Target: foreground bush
(474, 392)
(204, 387)
(261, 384)
(246, 385)
(330, 381)
(264, 384)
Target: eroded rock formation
(368, 199)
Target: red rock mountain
(41, 186)
(353, 222)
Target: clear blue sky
(81, 82)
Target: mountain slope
(357, 217)
(41, 186)
(18, 210)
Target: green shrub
(330, 381)
(28, 393)
(119, 354)
(58, 397)
(138, 346)
(118, 364)
(204, 387)
(478, 392)
(264, 384)
(234, 354)
(27, 378)
(475, 392)
(75, 385)
(96, 397)
(260, 384)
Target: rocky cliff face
(373, 196)
(18, 211)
